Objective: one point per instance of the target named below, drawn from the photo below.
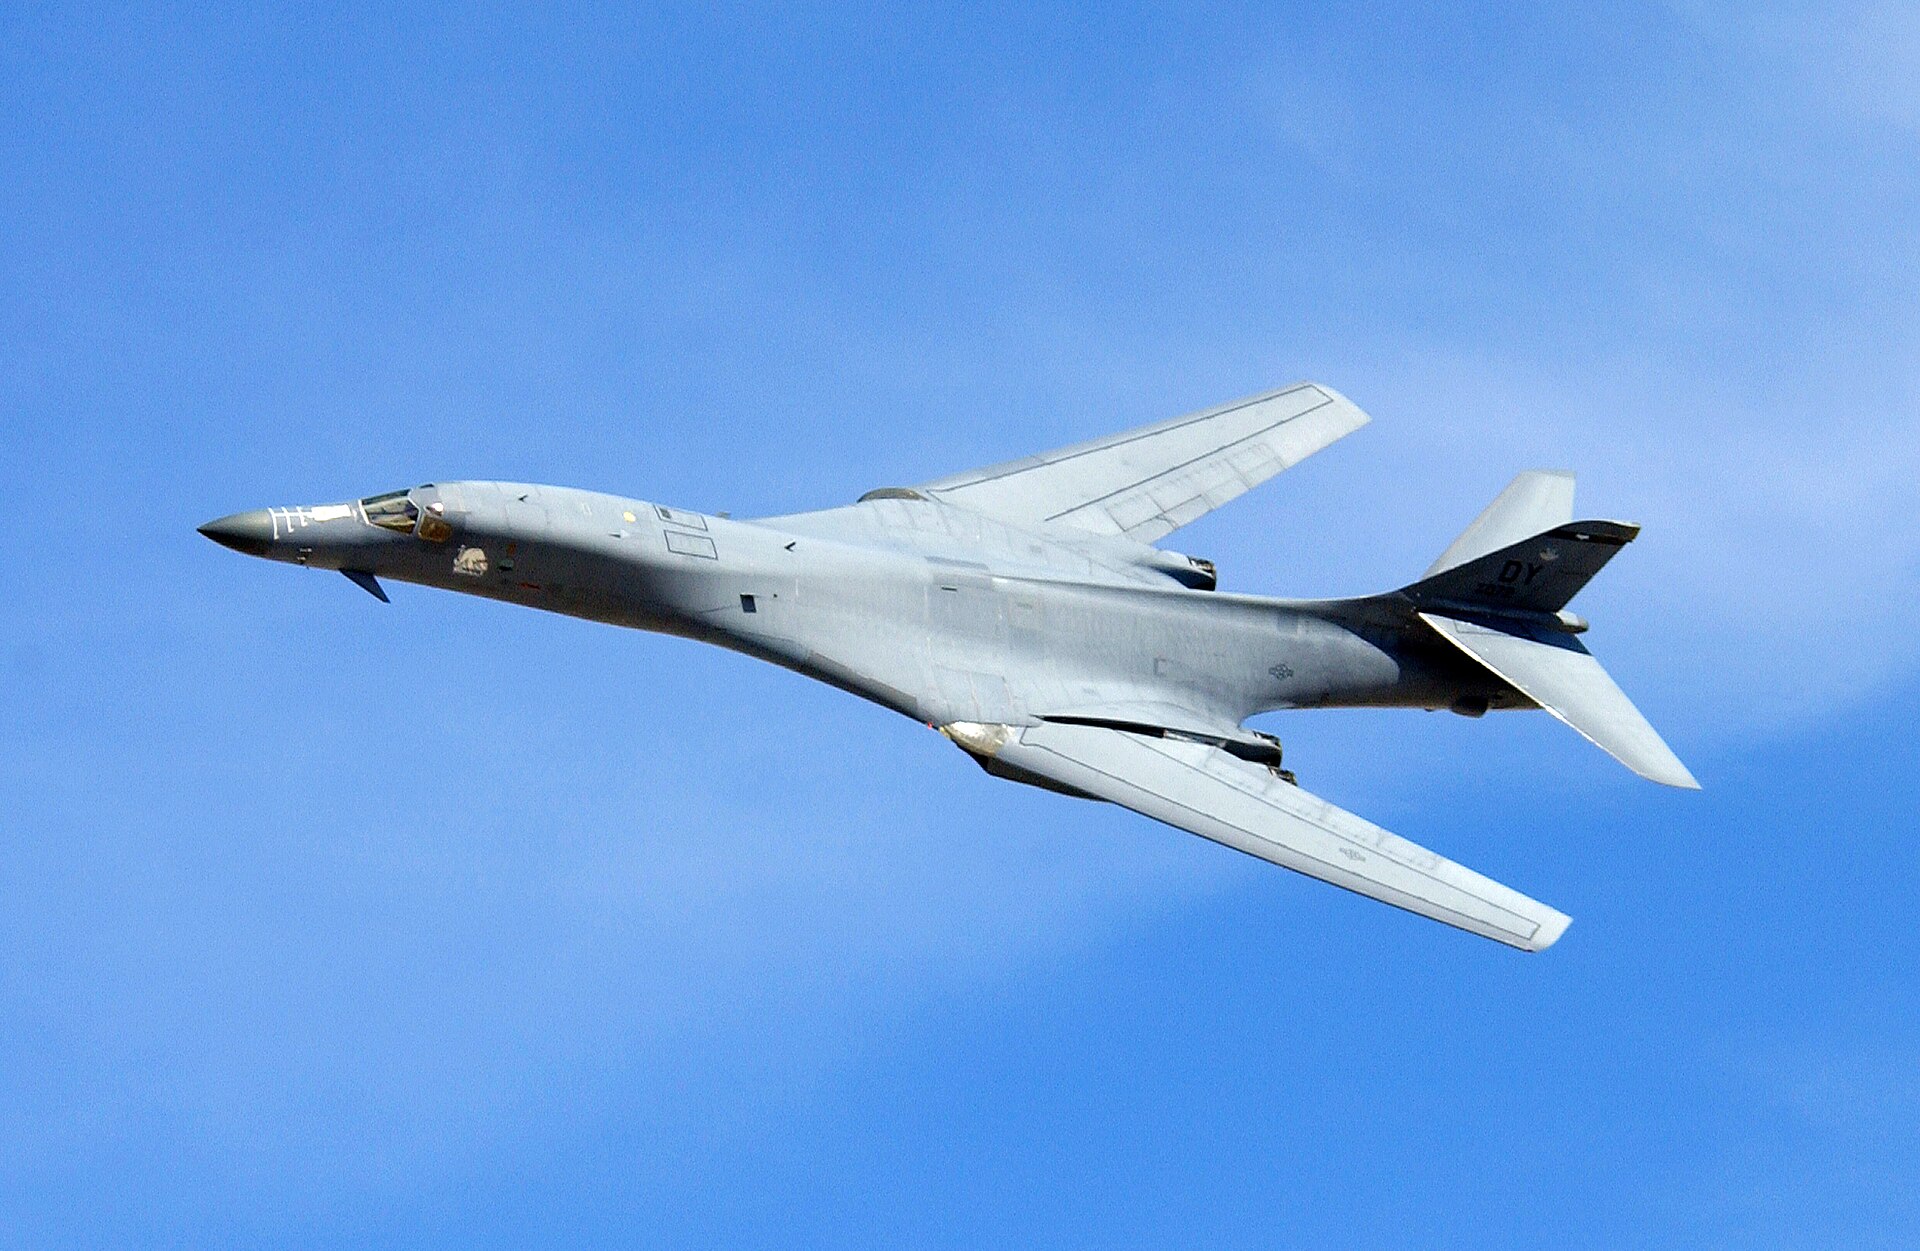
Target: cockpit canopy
(392, 511)
(397, 512)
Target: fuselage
(940, 613)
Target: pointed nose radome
(251, 533)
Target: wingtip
(1670, 772)
(1357, 415)
(1550, 931)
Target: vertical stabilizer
(1537, 501)
(1536, 575)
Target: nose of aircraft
(251, 532)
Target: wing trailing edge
(1147, 482)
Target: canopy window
(392, 511)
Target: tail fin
(1536, 501)
(1497, 595)
(1538, 574)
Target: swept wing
(1148, 482)
(1204, 790)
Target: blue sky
(440, 923)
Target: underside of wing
(1146, 483)
(1205, 790)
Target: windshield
(392, 511)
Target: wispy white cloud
(1862, 59)
(1869, 1090)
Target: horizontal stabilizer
(1207, 791)
(1557, 673)
(1537, 500)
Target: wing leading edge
(1206, 791)
(1148, 482)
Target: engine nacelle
(1192, 572)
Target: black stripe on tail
(1536, 575)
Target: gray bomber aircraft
(1023, 610)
